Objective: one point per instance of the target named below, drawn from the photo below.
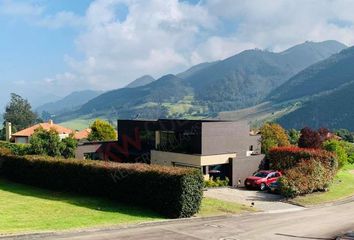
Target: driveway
(264, 201)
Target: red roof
(82, 134)
(46, 126)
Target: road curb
(38, 235)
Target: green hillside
(206, 89)
(334, 110)
(323, 76)
(326, 92)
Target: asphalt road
(317, 223)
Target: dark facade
(203, 137)
(204, 144)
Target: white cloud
(156, 38)
(166, 36)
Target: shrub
(284, 158)
(305, 170)
(339, 149)
(102, 131)
(173, 192)
(310, 138)
(15, 148)
(351, 159)
(216, 183)
(45, 142)
(273, 135)
(307, 177)
(48, 142)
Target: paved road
(317, 223)
(262, 200)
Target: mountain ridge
(242, 80)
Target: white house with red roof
(24, 135)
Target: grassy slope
(25, 208)
(214, 207)
(29, 209)
(342, 187)
(81, 123)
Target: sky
(50, 48)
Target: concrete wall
(171, 159)
(243, 167)
(227, 137)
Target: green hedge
(15, 148)
(173, 192)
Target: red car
(262, 179)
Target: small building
(24, 135)
(218, 148)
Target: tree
(102, 131)
(338, 148)
(45, 142)
(68, 146)
(294, 136)
(311, 138)
(345, 134)
(273, 135)
(19, 113)
(48, 143)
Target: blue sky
(50, 48)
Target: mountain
(245, 79)
(326, 89)
(333, 111)
(145, 100)
(204, 90)
(323, 76)
(144, 80)
(69, 103)
(193, 70)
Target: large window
(181, 142)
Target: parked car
(274, 187)
(262, 179)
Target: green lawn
(78, 124)
(215, 207)
(28, 209)
(342, 187)
(24, 208)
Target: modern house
(24, 135)
(225, 148)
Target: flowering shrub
(305, 170)
(283, 158)
(307, 177)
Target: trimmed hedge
(305, 170)
(173, 192)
